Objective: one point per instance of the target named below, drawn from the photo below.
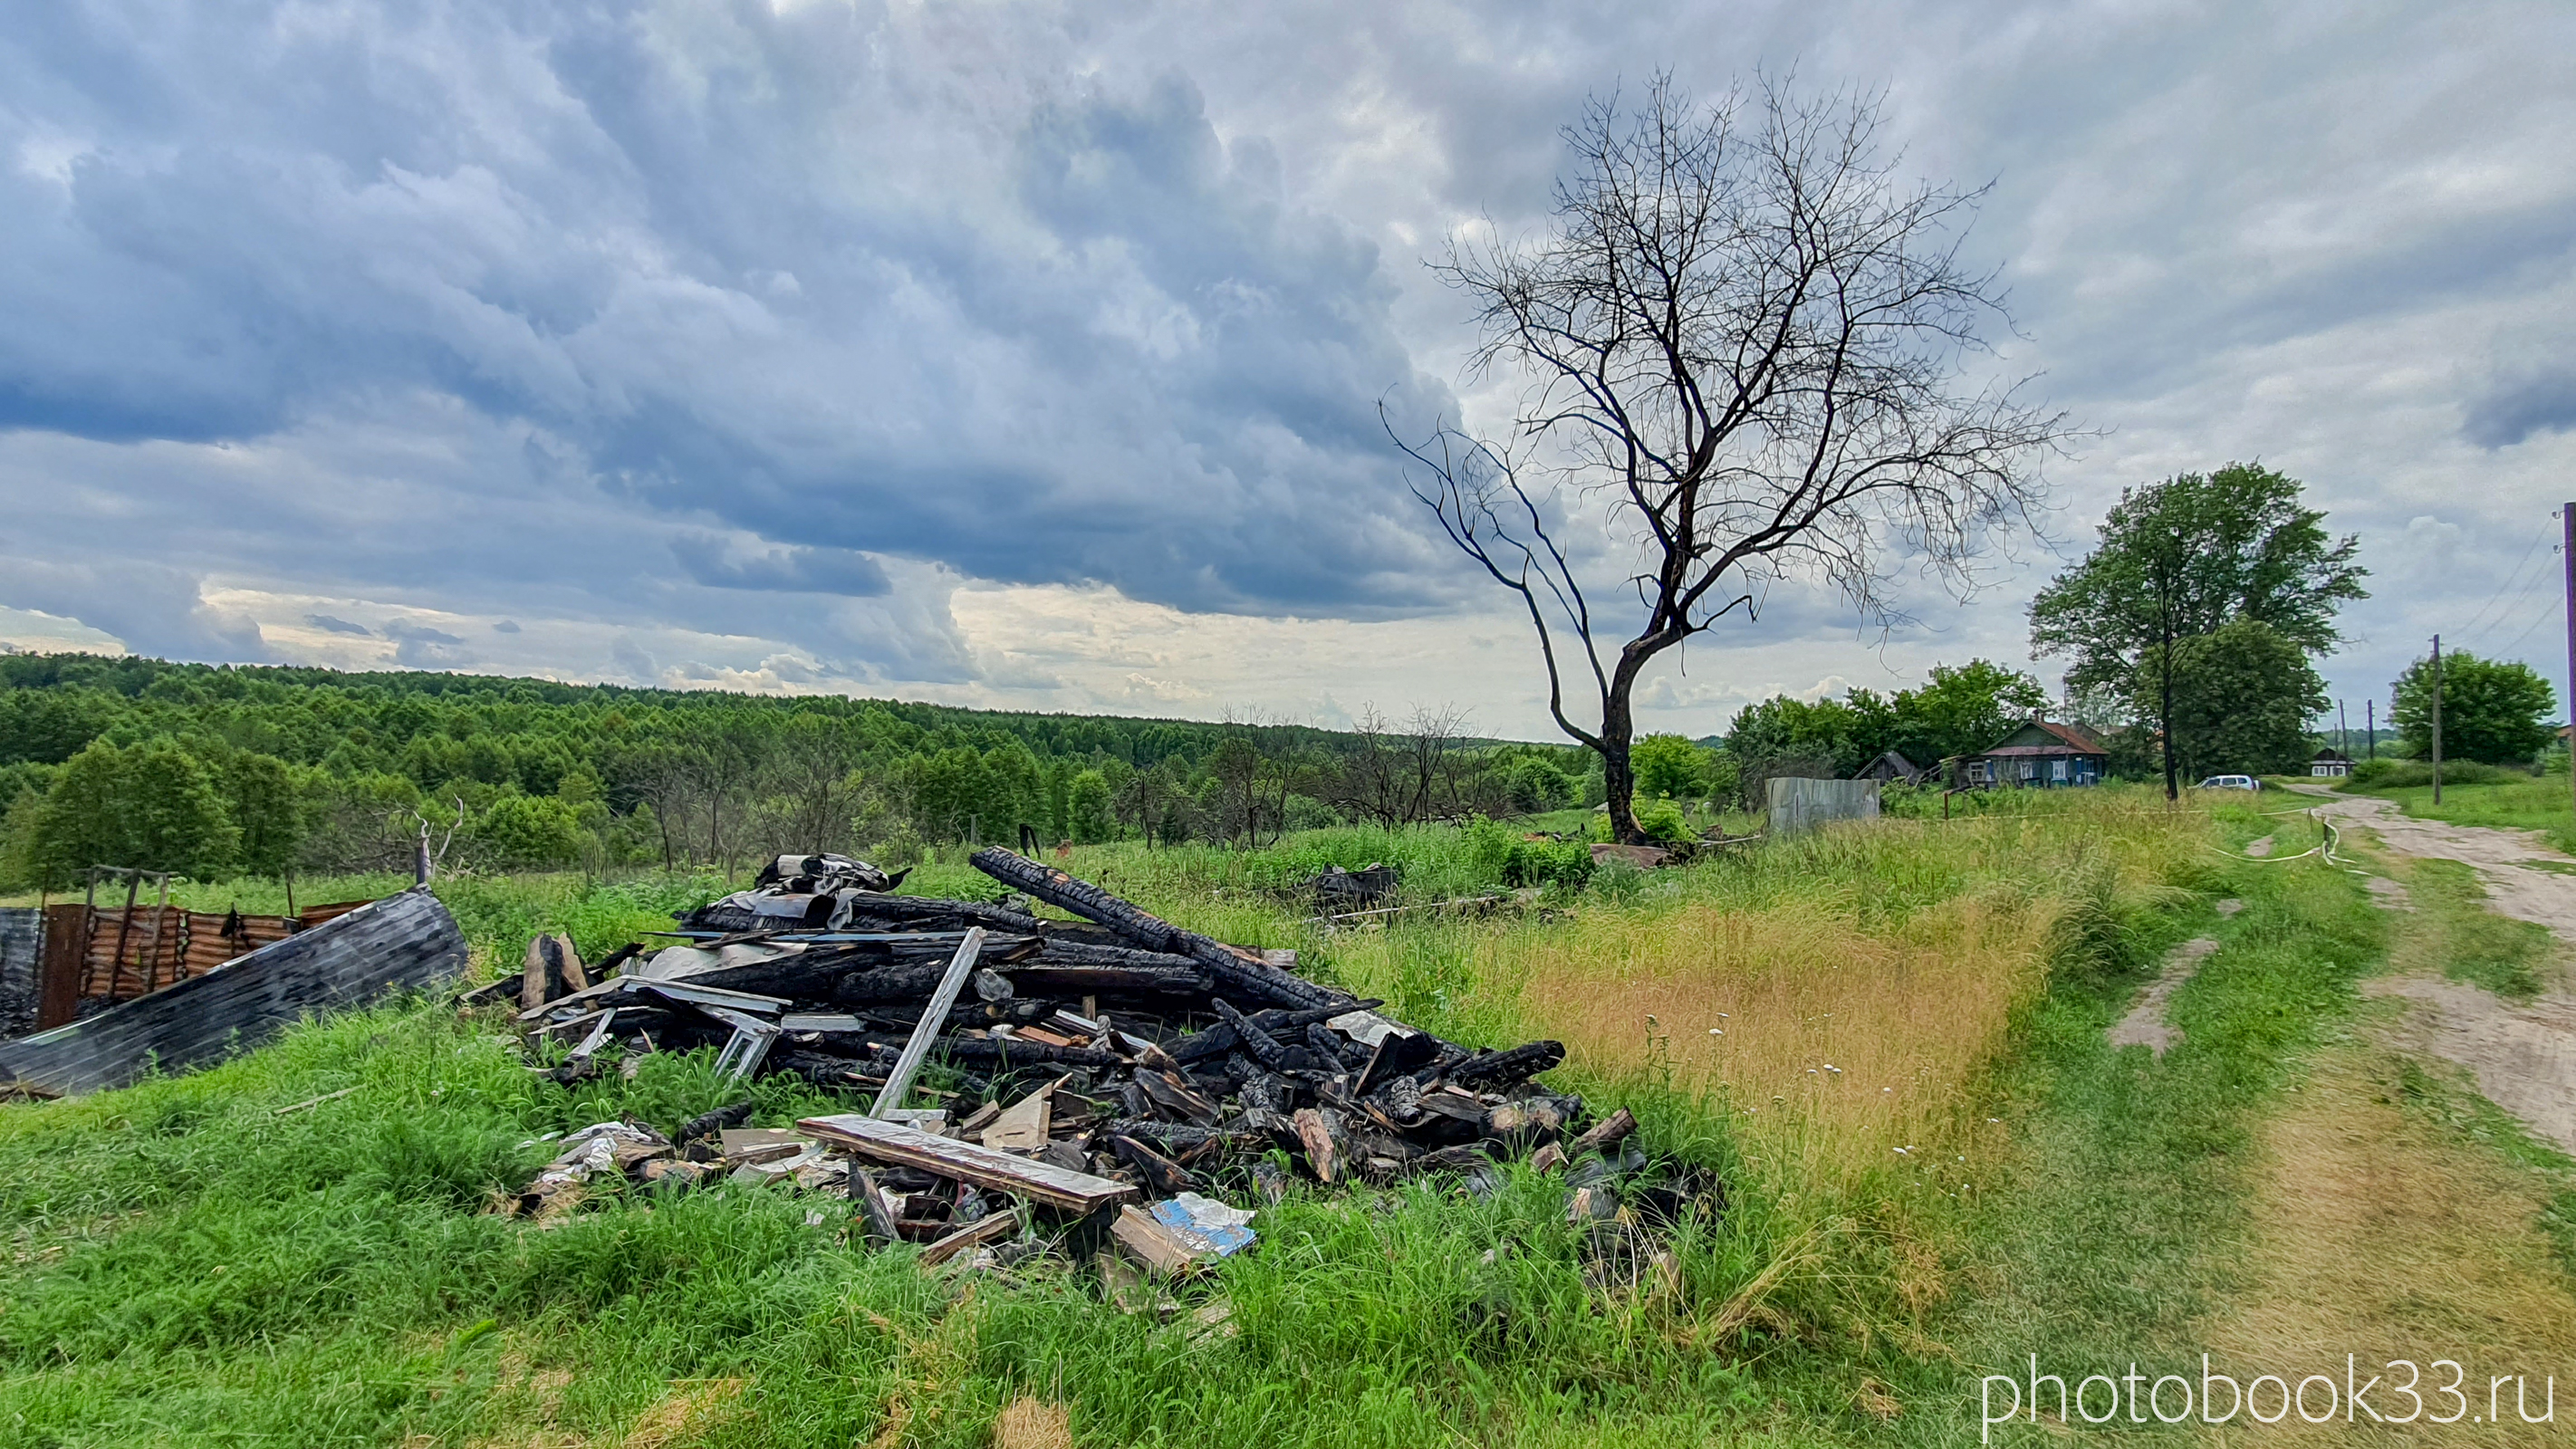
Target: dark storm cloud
(721, 255)
(780, 570)
(2514, 411)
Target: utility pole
(2437, 719)
(2343, 736)
(2567, 556)
(2370, 726)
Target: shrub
(1663, 823)
(2402, 774)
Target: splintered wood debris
(1023, 1085)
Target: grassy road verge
(2542, 803)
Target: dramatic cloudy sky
(1032, 354)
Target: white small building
(2330, 762)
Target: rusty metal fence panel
(63, 962)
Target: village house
(1890, 768)
(2041, 754)
(2330, 762)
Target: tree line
(216, 770)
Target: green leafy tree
(1961, 709)
(153, 805)
(269, 804)
(2494, 711)
(1818, 735)
(2183, 558)
(1059, 800)
(1087, 806)
(1537, 784)
(1669, 767)
(2242, 699)
(529, 832)
(18, 840)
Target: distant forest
(211, 771)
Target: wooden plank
(58, 987)
(924, 1032)
(991, 1228)
(968, 1162)
(1024, 1124)
(1233, 967)
(1318, 1141)
(1606, 1131)
(1156, 1246)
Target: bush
(2402, 774)
(1506, 855)
(1663, 823)
(529, 832)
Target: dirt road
(2513, 865)
(2523, 1055)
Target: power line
(2536, 621)
(2479, 620)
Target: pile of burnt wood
(1009, 1061)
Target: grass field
(188, 1266)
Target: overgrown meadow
(1821, 1022)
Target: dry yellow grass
(1826, 1044)
(1831, 999)
(1027, 1423)
(694, 1407)
(2381, 1234)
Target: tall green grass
(187, 1265)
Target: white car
(2231, 782)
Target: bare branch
(1742, 345)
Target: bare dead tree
(810, 793)
(1395, 774)
(425, 862)
(1743, 345)
(1256, 770)
(1368, 781)
(1430, 750)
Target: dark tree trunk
(1233, 968)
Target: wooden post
(2437, 719)
(935, 1015)
(124, 929)
(162, 937)
(2343, 736)
(2567, 556)
(2370, 726)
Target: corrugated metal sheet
(133, 952)
(408, 940)
(121, 959)
(22, 950)
(1802, 805)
